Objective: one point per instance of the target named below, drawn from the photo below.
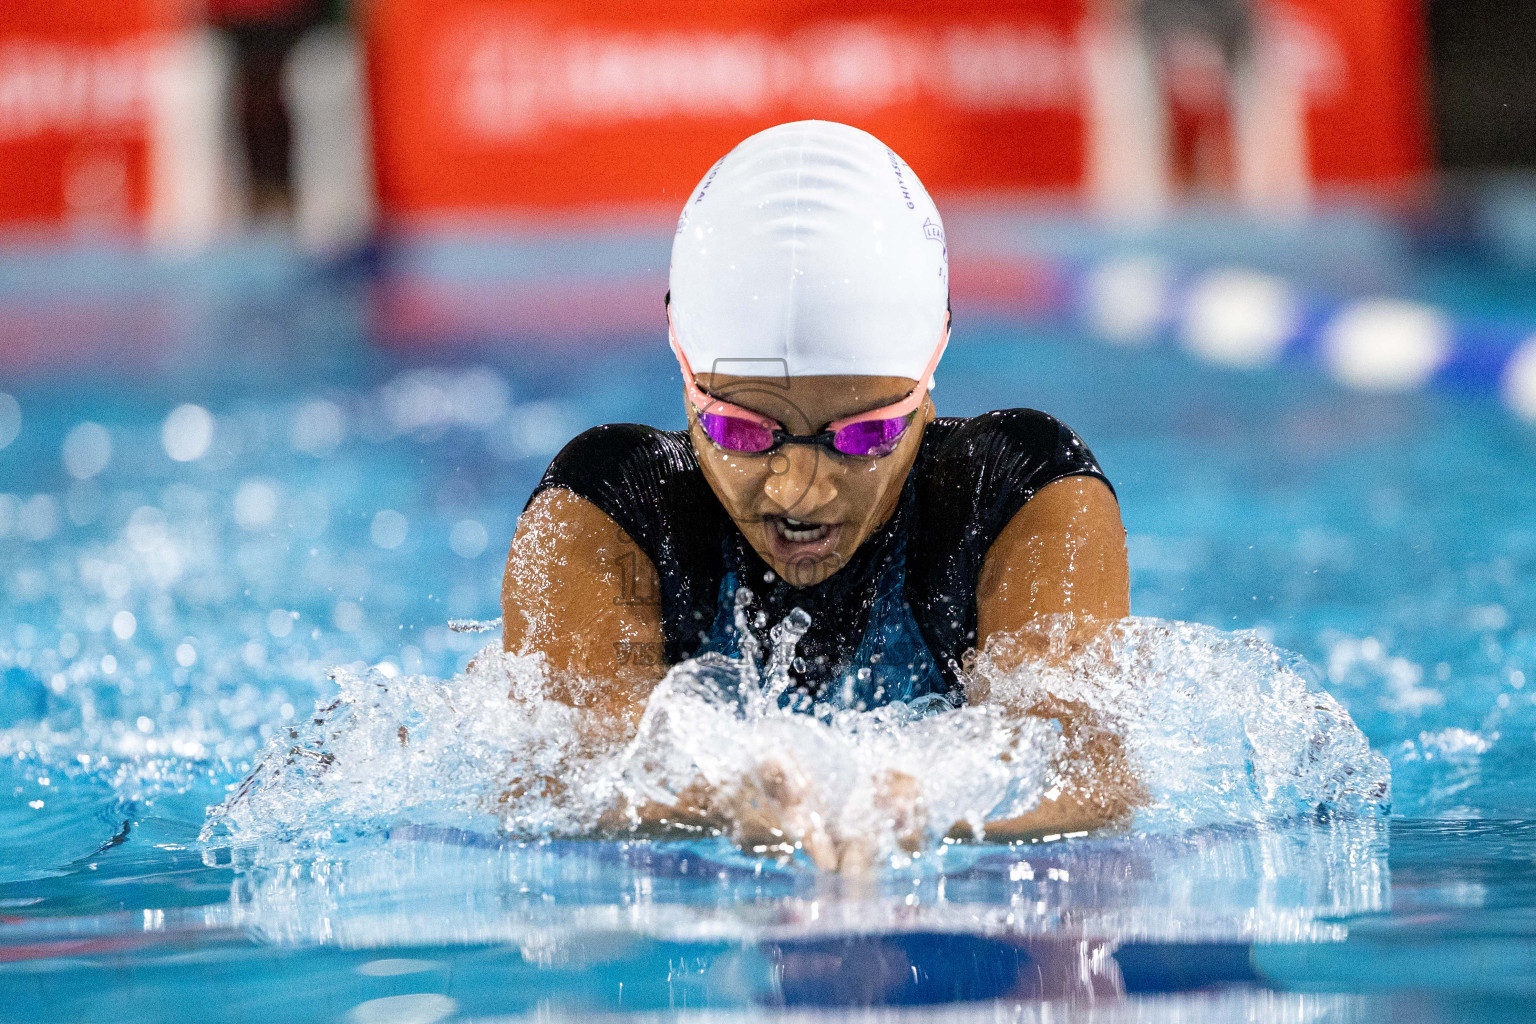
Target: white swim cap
(810, 249)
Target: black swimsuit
(894, 622)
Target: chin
(809, 572)
(800, 576)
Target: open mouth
(795, 540)
(796, 531)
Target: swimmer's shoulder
(1022, 449)
(1029, 428)
(646, 480)
(972, 477)
(625, 455)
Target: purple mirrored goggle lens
(735, 434)
(870, 437)
(866, 437)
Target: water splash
(1283, 884)
(1218, 727)
(474, 625)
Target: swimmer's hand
(1094, 786)
(776, 811)
(773, 812)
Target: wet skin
(805, 511)
(843, 498)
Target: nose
(800, 481)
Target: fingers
(855, 857)
(821, 848)
(775, 811)
(782, 782)
(773, 814)
(898, 800)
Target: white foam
(1219, 728)
(426, 887)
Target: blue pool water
(335, 503)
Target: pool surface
(194, 535)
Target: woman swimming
(808, 310)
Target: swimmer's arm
(578, 589)
(1064, 553)
(583, 593)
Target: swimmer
(808, 311)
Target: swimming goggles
(867, 435)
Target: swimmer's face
(803, 509)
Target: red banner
(76, 83)
(1366, 87)
(531, 106)
(519, 106)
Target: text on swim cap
(936, 232)
(901, 181)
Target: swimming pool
(187, 554)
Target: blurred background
(1316, 139)
(182, 121)
(323, 261)
(186, 124)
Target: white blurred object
(1386, 344)
(1240, 318)
(389, 529)
(255, 504)
(324, 87)
(1126, 300)
(10, 419)
(187, 432)
(1130, 174)
(1271, 169)
(194, 187)
(1128, 177)
(87, 450)
(468, 539)
(1519, 381)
